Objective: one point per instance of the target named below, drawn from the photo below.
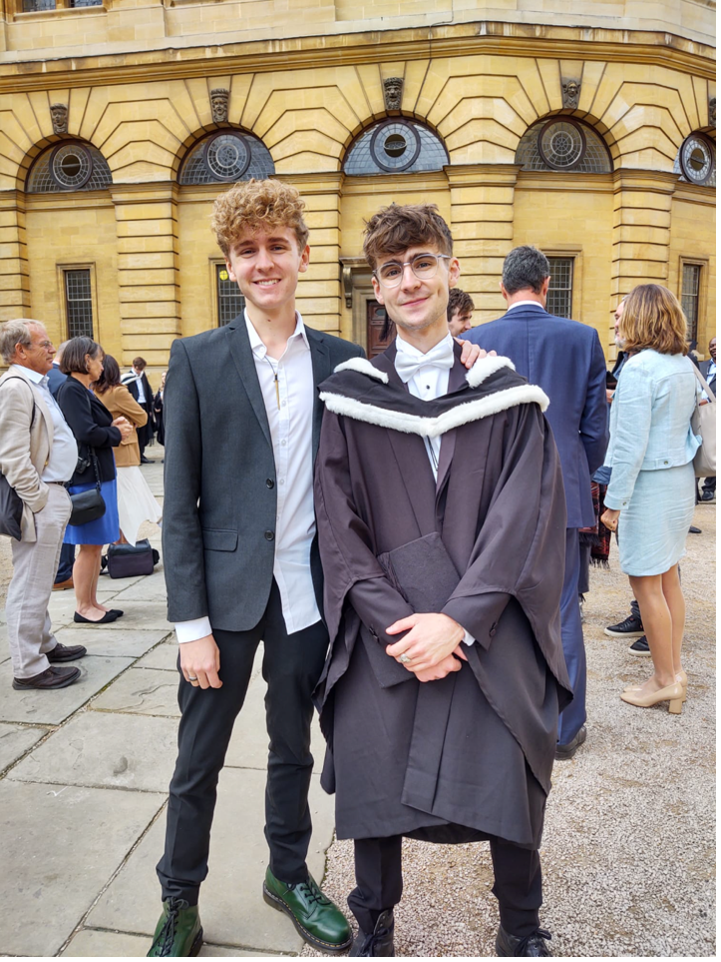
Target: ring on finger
(404, 659)
(192, 677)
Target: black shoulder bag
(88, 505)
(11, 504)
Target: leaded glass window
(230, 301)
(560, 290)
(395, 146)
(226, 157)
(69, 165)
(696, 160)
(78, 303)
(563, 144)
(690, 287)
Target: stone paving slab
(106, 750)
(232, 907)
(163, 656)
(150, 588)
(100, 944)
(142, 691)
(100, 641)
(15, 740)
(53, 707)
(56, 875)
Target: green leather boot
(317, 919)
(178, 932)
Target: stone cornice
(457, 40)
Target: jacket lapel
(320, 359)
(242, 355)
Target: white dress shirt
(64, 451)
(526, 304)
(429, 382)
(288, 392)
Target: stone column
(641, 229)
(318, 297)
(482, 227)
(14, 272)
(148, 271)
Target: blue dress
(104, 530)
(651, 455)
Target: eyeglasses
(424, 266)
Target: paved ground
(628, 851)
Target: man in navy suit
(708, 369)
(566, 360)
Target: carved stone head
(712, 111)
(59, 115)
(219, 100)
(571, 93)
(393, 92)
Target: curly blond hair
(254, 204)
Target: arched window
(225, 157)
(696, 160)
(69, 165)
(395, 146)
(565, 144)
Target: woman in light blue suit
(650, 498)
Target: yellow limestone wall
(147, 237)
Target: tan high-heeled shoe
(673, 694)
(681, 678)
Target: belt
(61, 483)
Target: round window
(562, 144)
(227, 156)
(71, 166)
(697, 159)
(395, 145)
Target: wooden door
(375, 321)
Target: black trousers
(291, 667)
(379, 882)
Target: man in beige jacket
(38, 455)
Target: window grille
(560, 291)
(69, 166)
(690, 287)
(226, 157)
(563, 144)
(78, 303)
(395, 146)
(230, 301)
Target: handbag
(703, 423)
(11, 504)
(88, 505)
(129, 561)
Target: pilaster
(14, 271)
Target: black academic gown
(469, 755)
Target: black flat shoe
(105, 620)
(533, 946)
(117, 612)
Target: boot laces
(167, 933)
(533, 937)
(311, 892)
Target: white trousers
(34, 567)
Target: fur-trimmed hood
(371, 391)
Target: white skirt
(135, 502)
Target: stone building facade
(585, 128)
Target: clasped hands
(432, 646)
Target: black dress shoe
(48, 679)
(640, 646)
(377, 944)
(564, 752)
(694, 530)
(532, 946)
(66, 653)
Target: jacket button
(492, 630)
(270, 483)
(269, 536)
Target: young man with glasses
(441, 521)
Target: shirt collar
(258, 347)
(403, 347)
(526, 304)
(41, 379)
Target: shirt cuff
(468, 639)
(192, 630)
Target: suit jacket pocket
(220, 539)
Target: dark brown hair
(459, 301)
(73, 359)
(652, 318)
(140, 362)
(396, 228)
(110, 376)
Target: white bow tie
(441, 356)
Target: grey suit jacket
(220, 496)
